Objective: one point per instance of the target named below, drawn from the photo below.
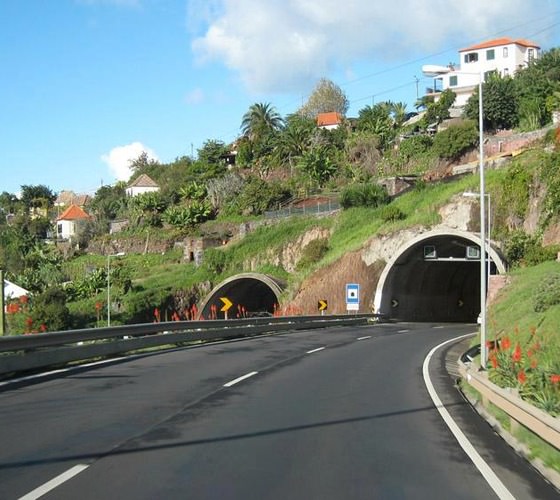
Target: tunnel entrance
(435, 278)
(251, 294)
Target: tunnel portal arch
(254, 293)
(433, 278)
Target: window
(453, 81)
(471, 57)
(531, 54)
(490, 55)
(506, 72)
(505, 52)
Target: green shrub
(523, 249)
(391, 213)
(415, 146)
(364, 195)
(215, 261)
(313, 252)
(547, 294)
(49, 310)
(456, 140)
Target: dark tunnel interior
(436, 280)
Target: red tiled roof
(326, 119)
(73, 212)
(497, 42)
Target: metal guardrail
(31, 352)
(519, 411)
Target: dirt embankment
(329, 284)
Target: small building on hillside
(142, 184)
(13, 291)
(69, 222)
(67, 198)
(503, 56)
(329, 121)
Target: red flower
(505, 343)
(555, 378)
(521, 377)
(29, 321)
(24, 299)
(98, 305)
(516, 356)
(43, 327)
(494, 361)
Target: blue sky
(86, 85)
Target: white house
(69, 221)
(329, 121)
(13, 291)
(502, 55)
(142, 184)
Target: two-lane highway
(338, 413)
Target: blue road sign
(352, 293)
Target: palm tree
(295, 139)
(261, 120)
(398, 110)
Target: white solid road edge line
(60, 370)
(55, 482)
(315, 350)
(364, 338)
(239, 379)
(487, 473)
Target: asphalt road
(335, 414)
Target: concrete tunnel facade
(433, 277)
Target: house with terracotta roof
(67, 198)
(68, 223)
(503, 56)
(142, 184)
(329, 121)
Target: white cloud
(120, 157)
(276, 45)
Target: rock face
(289, 255)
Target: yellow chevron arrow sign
(227, 304)
(322, 305)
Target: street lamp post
(483, 291)
(431, 71)
(119, 254)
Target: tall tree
(326, 97)
(500, 104)
(37, 196)
(295, 139)
(260, 121)
(377, 120)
